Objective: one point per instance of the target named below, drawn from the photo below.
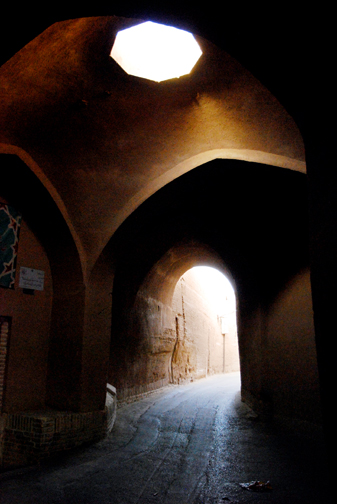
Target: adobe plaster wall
(173, 342)
(291, 376)
(199, 350)
(278, 354)
(27, 352)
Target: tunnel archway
(55, 139)
(251, 221)
(146, 327)
(204, 307)
(220, 110)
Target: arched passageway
(109, 143)
(103, 174)
(251, 223)
(204, 307)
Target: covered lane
(183, 444)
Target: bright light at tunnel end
(155, 51)
(217, 288)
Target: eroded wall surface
(199, 350)
(177, 342)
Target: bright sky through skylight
(155, 51)
(217, 288)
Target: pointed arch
(23, 189)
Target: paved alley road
(191, 444)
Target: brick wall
(29, 438)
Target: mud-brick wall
(199, 349)
(278, 357)
(25, 367)
(172, 342)
(292, 381)
(29, 438)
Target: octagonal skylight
(155, 51)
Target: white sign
(31, 279)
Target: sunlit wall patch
(155, 51)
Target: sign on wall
(10, 221)
(31, 279)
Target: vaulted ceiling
(287, 47)
(102, 141)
